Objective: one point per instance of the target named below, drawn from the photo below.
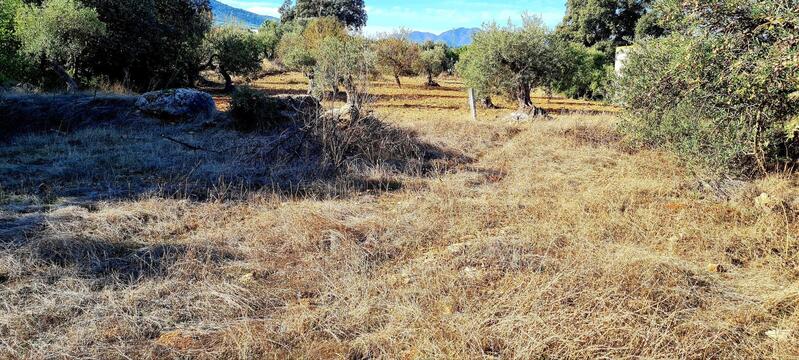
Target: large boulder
(177, 104)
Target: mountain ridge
(226, 14)
(454, 38)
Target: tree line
(717, 81)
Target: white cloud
(264, 10)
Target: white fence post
(472, 104)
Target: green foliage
(347, 61)
(299, 46)
(352, 13)
(234, 51)
(269, 37)
(587, 75)
(12, 66)
(150, 43)
(433, 61)
(295, 54)
(592, 21)
(513, 60)
(718, 89)
(397, 56)
(649, 25)
(59, 31)
(253, 110)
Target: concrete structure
(621, 58)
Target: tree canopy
(433, 61)
(590, 22)
(233, 51)
(11, 64)
(151, 43)
(351, 13)
(59, 31)
(397, 56)
(298, 49)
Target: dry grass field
(548, 239)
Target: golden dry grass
(555, 242)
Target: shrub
(253, 110)
(721, 89)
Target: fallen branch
(189, 146)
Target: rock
(525, 115)
(779, 334)
(178, 104)
(722, 189)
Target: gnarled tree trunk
(228, 80)
(353, 98)
(430, 81)
(523, 97)
(487, 103)
(72, 85)
(397, 79)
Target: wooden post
(472, 104)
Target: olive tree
(233, 51)
(58, 32)
(299, 47)
(433, 61)
(347, 61)
(397, 56)
(512, 61)
(268, 36)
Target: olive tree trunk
(523, 96)
(228, 80)
(353, 98)
(72, 85)
(487, 103)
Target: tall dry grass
(553, 240)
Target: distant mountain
(455, 38)
(226, 14)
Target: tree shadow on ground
(122, 154)
(125, 262)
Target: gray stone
(177, 104)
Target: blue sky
(434, 16)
